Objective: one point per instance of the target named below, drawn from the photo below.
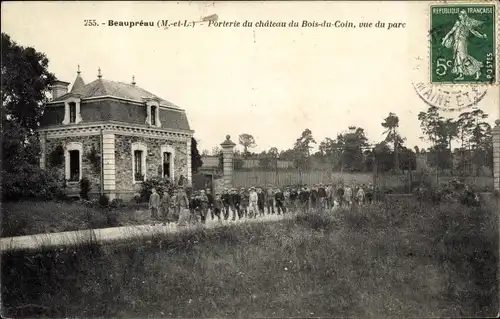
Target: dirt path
(114, 233)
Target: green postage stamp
(463, 48)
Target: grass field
(35, 217)
(395, 259)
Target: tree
(352, 143)
(332, 150)
(205, 152)
(25, 84)
(474, 134)
(247, 141)
(196, 161)
(430, 123)
(383, 156)
(391, 124)
(302, 149)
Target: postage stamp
(462, 48)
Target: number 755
(442, 66)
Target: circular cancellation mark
(446, 97)
(450, 99)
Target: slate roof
(101, 87)
(78, 84)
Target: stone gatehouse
(114, 134)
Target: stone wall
(125, 186)
(89, 170)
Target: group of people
(254, 201)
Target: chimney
(59, 88)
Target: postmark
(451, 99)
(446, 97)
(463, 44)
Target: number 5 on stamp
(463, 48)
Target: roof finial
(78, 69)
(99, 75)
(133, 79)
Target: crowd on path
(253, 202)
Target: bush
(84, 188)
(103, 200)
(30, 181)
(160, 184)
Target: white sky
(269, 82)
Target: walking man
(270, 200)
(261, 200)
(280, 199)
(154, 205)
(165, 207)
(253, 199)
(203, 202)
(244, 202)
(348, 196)
(226, 198)
(322, 196)
(182, 203)
(210, 202)
(217, 207)
(234, 203)
(360, 195)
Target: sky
(269, 82)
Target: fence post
(496, 155)
(227, 152)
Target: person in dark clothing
(203, 204)
(244, 202)
(270, 200)
(226, 198)
(304, 199)
(340, 195)
(217, 206)
(234, 203)
(294, 195)
(195, 207)
(314, 197)
(261, 201)
(322, 196)
(369, 193)
(288, 202)
(280, 201)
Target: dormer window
(72, 111)
(153, 113)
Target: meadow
(30, 217)
(397, 258)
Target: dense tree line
(351, 150)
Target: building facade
(114, 134)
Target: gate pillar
(228, 154)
